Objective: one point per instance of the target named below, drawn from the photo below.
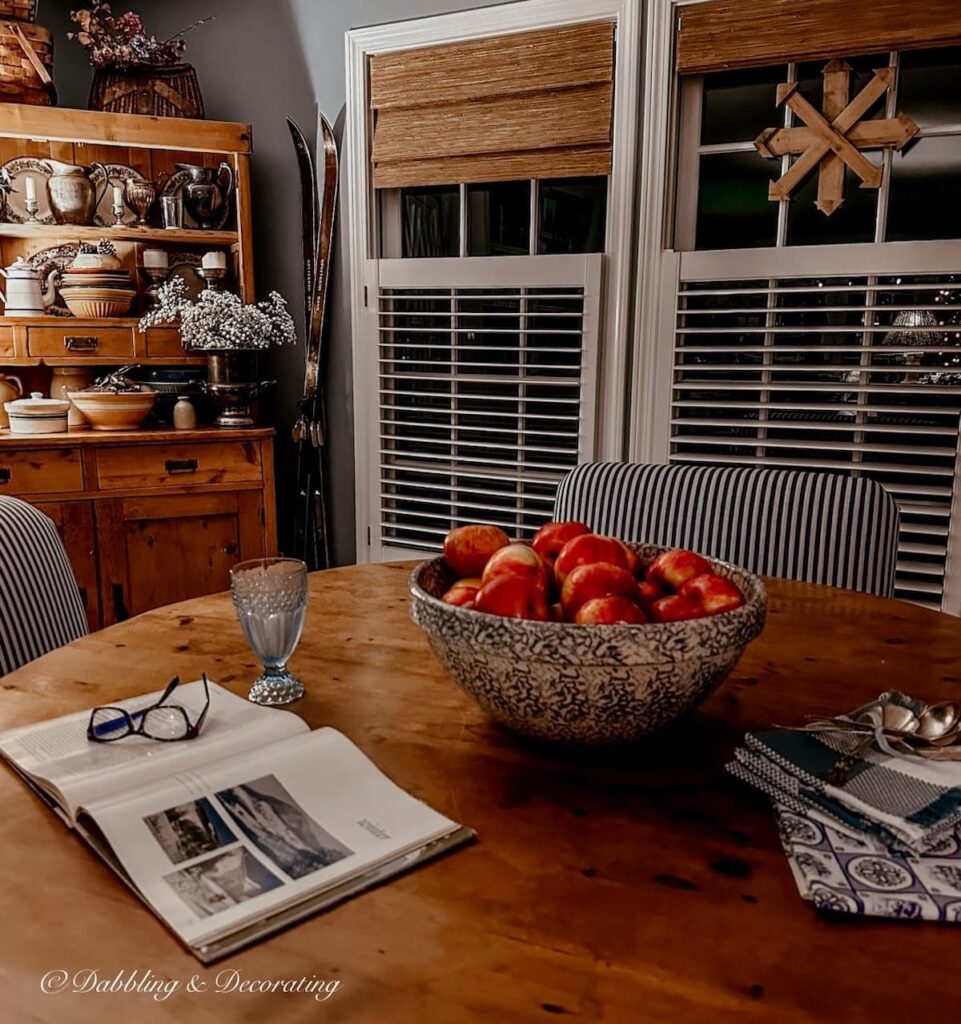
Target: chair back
(40, 605)
(817, 527)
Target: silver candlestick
(213, 277)
(118, 211)
(156, 276)
(31, 206)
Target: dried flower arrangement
(219, 320)
(122, 42)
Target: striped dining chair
(40, 605)
(816, 527)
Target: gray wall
(258, 62)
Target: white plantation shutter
(482, 378)
(831, 371)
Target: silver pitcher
(205, 193)
(73, 196)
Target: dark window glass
(573, 215)
(733, 210)
(929, 91)
(431, 221)
(925, 199)
(852, 221)
(499, 219)
(739, 105)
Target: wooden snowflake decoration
(834, 138)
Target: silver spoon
(940, 722)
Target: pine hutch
(155, 515)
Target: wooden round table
(642, 885)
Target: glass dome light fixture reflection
(905, 333)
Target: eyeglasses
(161, 721)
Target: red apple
(463, 592)
(551, 538)
(516, 559)
(633, 561)
(648, 594)
(609, 611)
(714, 594)
(589, 548)
(675, 608)
(467, 548)
(672, 569)
(514, 597)
(599, 579)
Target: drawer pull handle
(4, 475)
(181, 465)
(81, 343)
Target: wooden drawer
(163, 342)
(60, 342)
(40, 471)
(179, 465)
(6, 341)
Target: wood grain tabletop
(635, 885)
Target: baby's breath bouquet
(219, 321)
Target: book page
(58, 754)
(218, 847)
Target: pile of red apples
(568, 574)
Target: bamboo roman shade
(724, 34)
(527, 105)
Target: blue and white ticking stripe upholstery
(40, 605)
(816, 527)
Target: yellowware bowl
(106, 410)
(98, 302)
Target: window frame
(614, 371)
(691, 149)
(662, 265)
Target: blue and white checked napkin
(908, 803)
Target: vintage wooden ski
(312, 536)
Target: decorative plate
(117, 174)
(174, 187)
(13, 174)
(54, 259)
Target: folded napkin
(839, 870)
(908, 804)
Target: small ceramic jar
(37, 415)
(185, 415)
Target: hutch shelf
(150, 516)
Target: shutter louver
(845, 374)
(527, 105)
(485, 401)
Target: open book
(255, 824)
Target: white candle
(117, 196)
(155, 258)
(30, 188)
(215, 261)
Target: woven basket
(26, 57)
(18, 10)
(160, 91)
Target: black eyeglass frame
(126, 719)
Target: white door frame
(526, 15)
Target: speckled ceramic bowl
(585, 684)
